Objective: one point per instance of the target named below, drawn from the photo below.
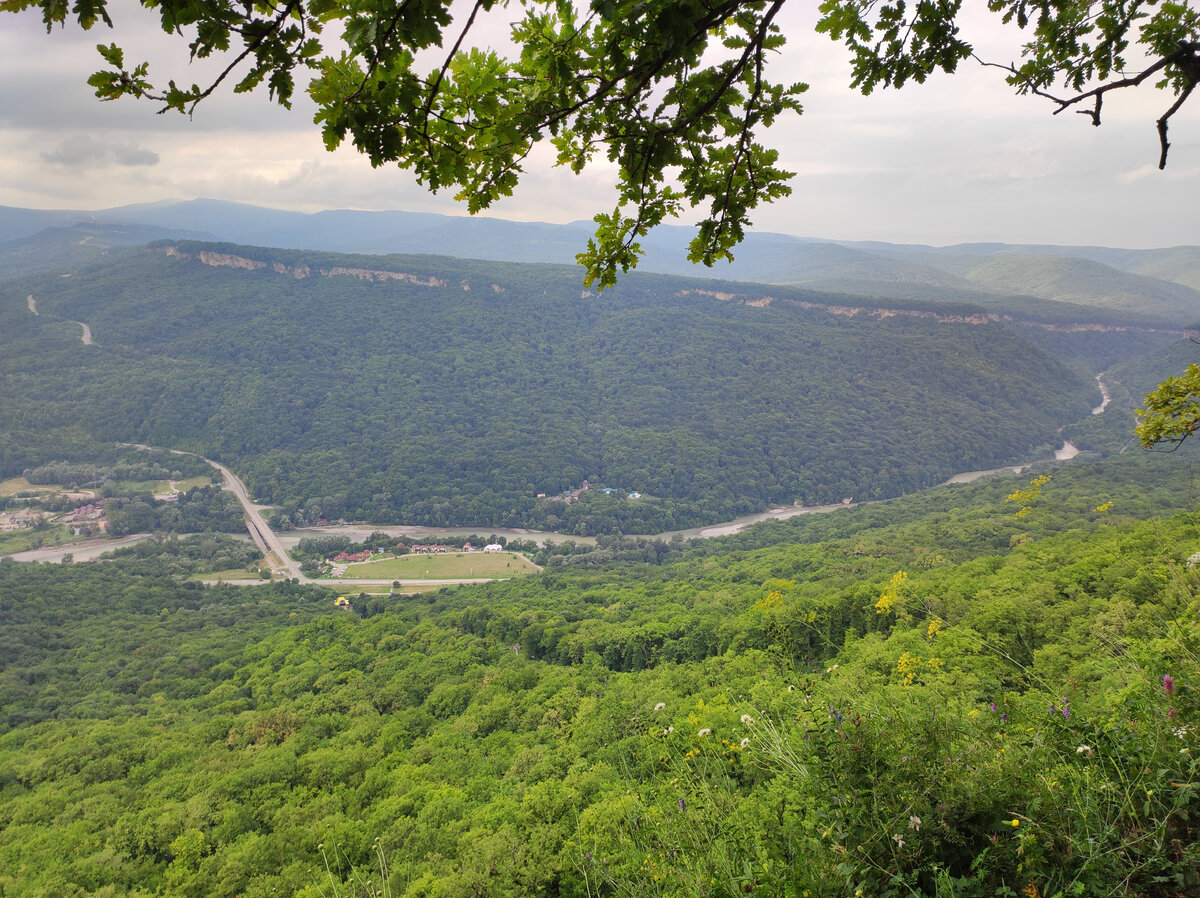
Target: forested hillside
(940, 695)
(440, 391)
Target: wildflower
(704, 731)
(992, 707)
(973, 713)
(1015, 823)
(899, 840)
(682, 805)
(791, 689)
(747, 719)
(668, 731)
(746, 743)
(1168, 684)
(660, 706)
(891, 595)
(1004, 717)
(914, 823)
(1084, 750)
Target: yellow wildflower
(891, 595)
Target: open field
(443, 567)
(17, 485)
(22, 540)
(237, 573)
(14, 485)
(163, 487)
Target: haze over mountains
(1162, 283)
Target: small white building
(493, 547)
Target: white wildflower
(914, 823)
(745, 743)
(660, 706)
(1084, 750)
(747, 719)
(704, 731)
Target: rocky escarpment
(230, 260)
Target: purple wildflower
(682, 805)
(1004, 717)
(1168, 684)
(992, 707)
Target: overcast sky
(958, 159)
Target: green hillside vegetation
(459, 394)
(1087, 283)
(1180, 264)
(939, 695)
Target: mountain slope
(434, 390)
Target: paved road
(264, 536)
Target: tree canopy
(675, 92)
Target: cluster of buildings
(438, 549)
(350, 557)
(574, 495)
(17, 520)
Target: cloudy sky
(958, 159)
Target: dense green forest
(977, 690)
(946, 694)
(441, 391)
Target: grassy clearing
(163, 487)
(20, 540)
(451, 566)
(237, 573)
(17, 485)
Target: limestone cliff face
(849, 311)
(761, 302)
(227, 260)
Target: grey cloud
(81, 151)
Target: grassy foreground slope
(961, 701)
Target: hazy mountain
(1148, 282)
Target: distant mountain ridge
(1158, 283)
